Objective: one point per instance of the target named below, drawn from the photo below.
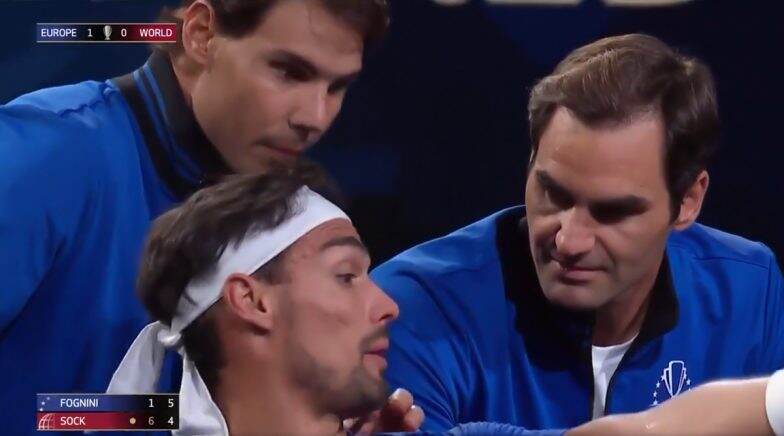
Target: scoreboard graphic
(79, 412)
(155, 33)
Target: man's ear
(198, 31)
(692, 202)
(251, 300)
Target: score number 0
(123, 32)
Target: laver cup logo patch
(673, 381)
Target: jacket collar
(183, 156)
(535, 312)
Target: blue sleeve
(774, 320)
(492, 428)
(483, 429)
(427, 355)
(44, 183)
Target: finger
(364, 425)
(413, 418)
(368, 428)
(350, 423)
(399, 403)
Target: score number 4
(151, 420)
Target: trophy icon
(107, 31)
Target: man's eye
(346, 279)
(556, 198)
(338, 88)
(290, 74)
(610, 215)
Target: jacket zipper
(633, 347)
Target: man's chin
(261, 159)
(376, 388)
(572, 296)
(368, 394)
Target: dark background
(434, 134)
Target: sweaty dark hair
(613, 80)
(186, 243)
(237, 18)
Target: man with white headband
(261, 285)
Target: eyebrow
(285, 56)
(628, 203)
(548, 182)
(345, 241)
(631, 203)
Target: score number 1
(151, 420)
(152, 404)
(123, 32)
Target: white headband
(140, 368)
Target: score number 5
(170, 402)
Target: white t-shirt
(774, 402)
(605, 362)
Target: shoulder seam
(733, 259)
(90, 103)
(451, 269)
(94, 102)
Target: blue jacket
(480, 429)
(477, 341)
(84, 169)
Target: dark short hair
(186, 243)
(237, 18)
(613, 80)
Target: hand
(398, 414)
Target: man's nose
(576, 235)
(383, 308)
(312, 115)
